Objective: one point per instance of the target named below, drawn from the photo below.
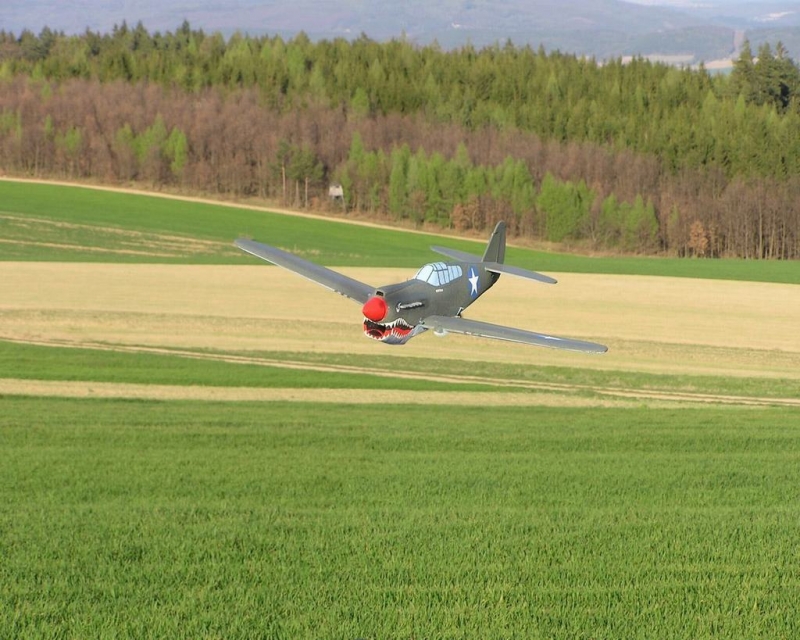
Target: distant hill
(604, 29)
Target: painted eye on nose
(375, 309)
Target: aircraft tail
(496, 249)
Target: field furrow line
(576, 393)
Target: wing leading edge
(498, 332)
(348, 287)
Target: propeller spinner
(375, 309)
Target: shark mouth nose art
(397, 330)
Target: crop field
(154, 519)
(198, 445)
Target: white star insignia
(473, 280)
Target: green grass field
(197, 519)
(205, 520)
(97, 214)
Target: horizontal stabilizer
(353, 289)
(461, 256)
(485, 330)
(495, 267)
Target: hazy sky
(699, 3)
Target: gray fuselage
(438, 289)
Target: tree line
(637, 157)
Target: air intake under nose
(374, 309)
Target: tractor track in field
(515, 392)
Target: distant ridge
(600, 28)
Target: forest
(634, 157)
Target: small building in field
(336, 191)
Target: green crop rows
(147, 519)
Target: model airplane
(433, 299)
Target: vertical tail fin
(496, 249)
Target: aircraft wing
(498, 332)
(353, 289)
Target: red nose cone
(375, 309)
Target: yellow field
(650, 324)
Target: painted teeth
(398, 323)
(398, 328)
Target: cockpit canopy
(438, 273)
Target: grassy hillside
(48, 222)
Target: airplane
(433, 299)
